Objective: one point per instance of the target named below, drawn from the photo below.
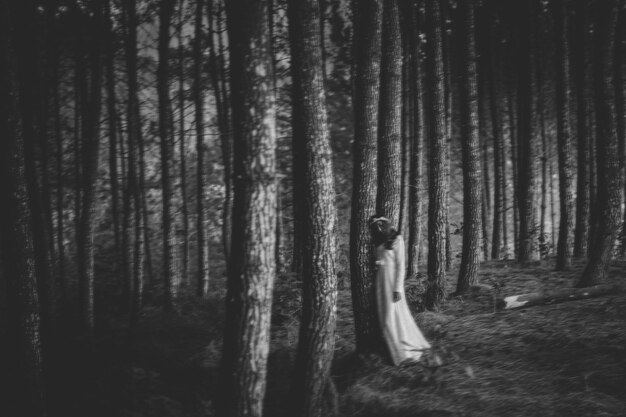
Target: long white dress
(404, 339)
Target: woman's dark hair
(382, 231)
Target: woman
(404, 339)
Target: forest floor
(566, 359)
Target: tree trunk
(526, 142)
(609, 181)
(486, 188)
(581, 64)
(60, 266)
(112, 131)
(202, 281)
(390, 115)
(23, 379)
(552, 200)
(438, 176)
(468, 98)
(90, 163)
(171, 277)
(620, 111)
(253, 260)
(217, 69)
(593, 171)
(415, 87)
(498, 164)
(319, 296)
(367, 52)
(30, 104)
(184, 233)
(135, 186)
(544, 247)
(515, 162)
(505, 203)
(566, 192)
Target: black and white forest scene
(312, 208)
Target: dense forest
(187, 187)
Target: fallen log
(556, 296)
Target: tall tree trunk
(566, 185)
(544, 247)
(485, 194)
(593, 170)
(620, 111)
(32, 129)
(367, 52)
(90, 162)
(525, 141)
(448, 77)
(217, 71)
(202, 281)
(410, 14)
(171, 277)
(182, 150)
(390, 116)
(498, 163)
(319, 296)
(112, 131)
(505, 203)
(581, 65)
(609, 181)
(134, 178)
(22, 353)
(253, 260)
(544, 177)
(552, 201)
(468, 98)
(515, 162)
(438, 176)
(60, 262)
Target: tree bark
(202, 281)
(367, 52)
(22, 356)
(112, 131)
(171, 277)
(498, 164)
(253, 261)
(184, 233)
(468, 98)
(566, 192)
(30, 86)
(134, 181)
(90, 162)
(581, 65)
(438, 176)
(388, 197)
(217, 70)
(410, 13)
(319, 296)
(525, 143)
(609, 181)
(620, 111)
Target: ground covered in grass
(555, 360)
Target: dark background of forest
(184, 211)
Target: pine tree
(253, 261)
(367, 53)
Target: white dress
(404, 339)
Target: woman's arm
(399, 255)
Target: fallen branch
(556, 296)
